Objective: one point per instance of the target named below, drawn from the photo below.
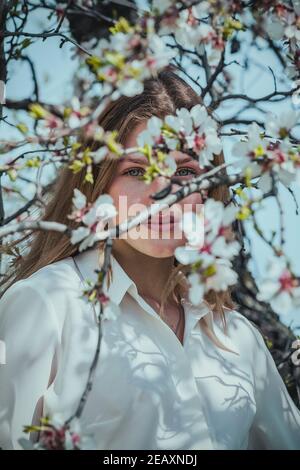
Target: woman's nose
(159, 184)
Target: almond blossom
(199, 130)
(190, 129)
(282, 158)
(55, 434)
(281, 22)
(209, 249)
(116, 64)
(280, 287)
(94, 217)
(74, 114)
(185, 25)
(279, 126)
(96, 293)
(286, 24)
(153, 133)
(188, 30)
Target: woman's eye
(140, 171)
(186, 169)
(134, 171)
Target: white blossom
(279, 126)
(274, 27)
(199, 130)
(158, 52)
(153, 131)
(111, 311)
(224, 277)
(120, 70)
(208, 248)
(279, 287)
(161, 5)
(189, 33)
(195, 126)
(79, 199)
(253, 147)
(196, 290)
(93, 217)
(281, 156)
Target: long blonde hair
(161, 96)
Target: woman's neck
(148, 273)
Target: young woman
(195, 378)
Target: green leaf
(26, 42)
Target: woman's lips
(162, 222)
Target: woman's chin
(157, 248)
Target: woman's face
(160, 236)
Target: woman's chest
(144, 371)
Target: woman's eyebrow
(144, 161)
(136, 159)
(187, 159)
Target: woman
(198, 378)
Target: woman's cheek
(130, 196)
(128, 199)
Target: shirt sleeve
(276, 424)
(29, 330)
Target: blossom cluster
(70, 132)
(280, 287)
(55, 434)
(92, 216)
(275, 153)
(283, 23)
(188, 131)
(132, 54)
(209, 252)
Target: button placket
(192, 316)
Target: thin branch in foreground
(206, 181)
(89, 384)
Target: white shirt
(150, 391)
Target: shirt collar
(88, 262)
